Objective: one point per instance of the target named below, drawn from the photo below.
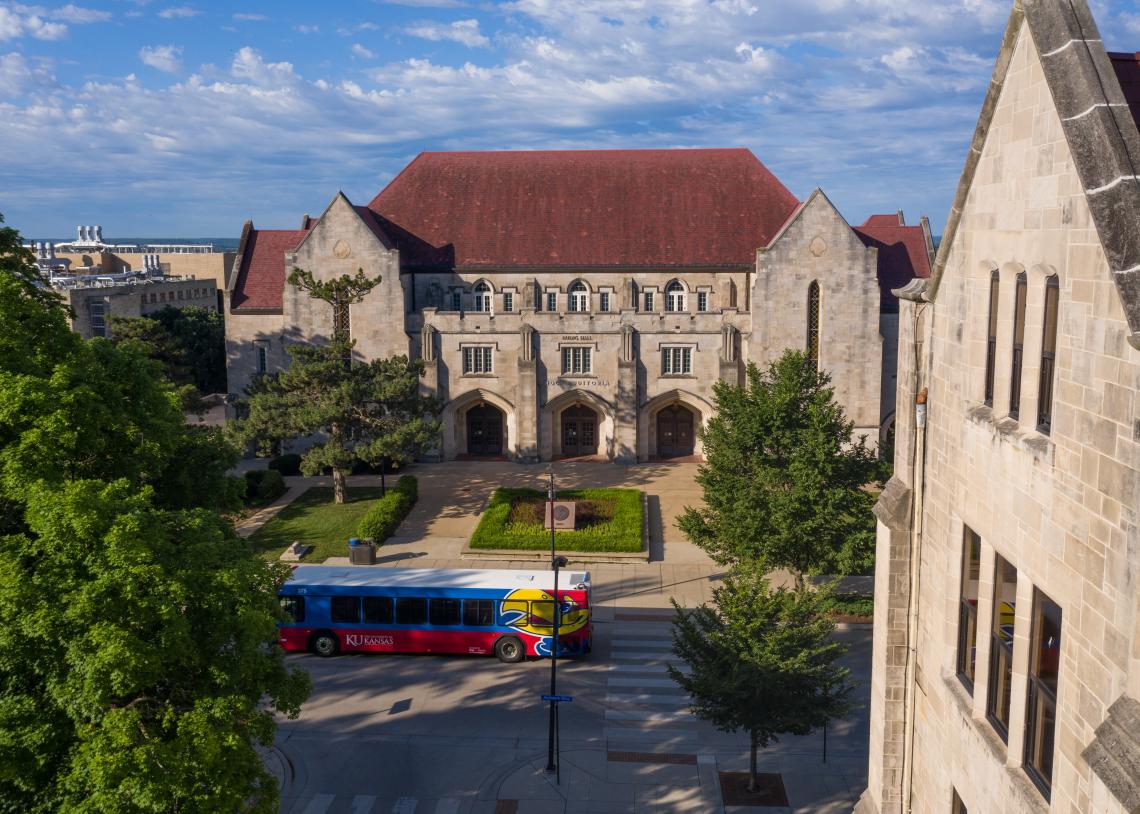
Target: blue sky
(186, 118)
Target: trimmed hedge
(389, 511)
(289, 464)
(263, 486)
(620, 531)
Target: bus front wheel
(324, 644)
(510, 650)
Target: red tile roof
(583, 208)
(903, 253)
(261, 279)
(1127, 67)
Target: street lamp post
(556, 562)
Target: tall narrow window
(508, 302)
(648, 301)
(1001, 646)
(261, 356)
(552, 301)
(579, 297)
(1048, 357)
(968, 609)
(991, 338)
(674, 297)
(1018, 347)
(482, 293)
(456, 300)
(604, 302)
(342, 326)
(1041, 716)
(813, 324)
(702, 301)
(97, 312)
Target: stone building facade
(584, 303)
(1006, 659)
(93, 304)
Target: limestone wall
(1061, 507)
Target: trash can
(360, 553)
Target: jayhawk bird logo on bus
(530, 611)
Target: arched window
(482, 293)
(1048, 356)
(1018, 346)
(674, 296)
(579, 296)
(813, 324)
(991, 338)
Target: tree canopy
(362, 411)
(138, 657)
(761, 660)
(189, 343)
(784, 482)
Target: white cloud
(79, 16)
(240, 17)
(465, 32)
(362, 52)
(307, 29)
(17, 76)
(178, 13)
(166, 58)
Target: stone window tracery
(674, 297)
(813, 324)
(579, 297)
(482, 293)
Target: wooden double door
(579, 431)
(484, 430)
(674, 432)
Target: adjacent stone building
(1006, 670)
(583, 303)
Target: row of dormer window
(578, 298)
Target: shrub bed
(388, 512)
(607, 520)
(289, 464)
(263, 486)
(851, 607)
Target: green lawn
(314, 519)
(608, 520)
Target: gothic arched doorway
(485, 430)
(675, 432)
(579, 431)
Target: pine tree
(785, 484)
(761, 660)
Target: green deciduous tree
(784, 482)
(189, 343)
(138, 657)
(360, 411)
(762, 661)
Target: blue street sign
(566, 698)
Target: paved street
(467, 735)
(458, 735)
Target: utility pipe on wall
(915, 585)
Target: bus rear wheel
(510, 650)
(324, 644)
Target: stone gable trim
(239, 258)
(376, 230)
(893, 508)
(1114, 754)
(1102, 136)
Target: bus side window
(378, 610)
(542, 614)
(346, 609)
(444, 612)
(294, 607)
(478, 612)
(411, 611)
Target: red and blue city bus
(334, 609)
